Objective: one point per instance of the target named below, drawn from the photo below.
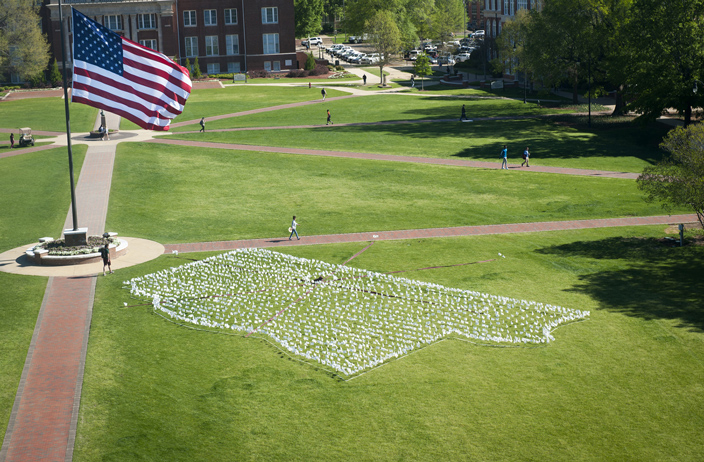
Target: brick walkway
(394, 158)
(43, 422)
(431, 233)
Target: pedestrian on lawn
(526, 157)
(293, 229)
(324, 93)
(329, 122)
(202, 124)
(364, 78)
(464, 113)
(105, 253)
(504, 158)
(12, 140)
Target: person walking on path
(292, 229)
(364, 78)
(504, 158)
(106, 135)
(526, 157)
(105, 253)
(202, 124)
(464, 114)
(324, 93)
(329, 122)
(12, 140)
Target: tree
(384, 37)
(23, 48)
(512, 43)
(665, 56)
(310, 62)
(447, 18)
(679, 179)
(421, 67)
(54, 74)
(308, 17)
(196, 69)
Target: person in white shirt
(293, 229)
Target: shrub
(320, 69)
(259, 74)
(293, 73)
(196, 69)
(310, 62)
(55, 77)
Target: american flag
(113, 73)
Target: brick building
(225, 35)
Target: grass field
(211, 102)
(157, 194)
(46, 114)
(624, 385)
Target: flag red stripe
(104, 79)
(127, 115)
(150, 83)
(148, 56)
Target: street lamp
(525, 79)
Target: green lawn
(381, 108)
(624, 147)
(22, 297)
(35, 194)
(34, 200)
(181, 194)
(238, 98)
(46, 114)
(624, 385)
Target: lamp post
(525, 78)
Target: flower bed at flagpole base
(41, 255)
(347, 319)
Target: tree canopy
(23, 48)
(679, 179)
(309, 16)
(385, 38)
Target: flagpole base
(76, 237)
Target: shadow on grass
(653, 280)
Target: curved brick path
(431, 233)
(394, 158)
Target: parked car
(372, 58)
(462, 57)
(356, 39)
(313, 41)
(447, 59)
(432, 59)
(356, 58)
(478, 33)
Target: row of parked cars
(352, 56)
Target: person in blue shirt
(504, 158)
(526, 157)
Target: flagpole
(68, 122)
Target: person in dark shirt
(105, 253)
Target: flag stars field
(347, 319)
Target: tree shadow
(650, 279)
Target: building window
(267, 66)
(191, 46)
(230, 16)
(189, 18)
(276, 65)
(211, 45)
(522, 4)
(289, 63)
(210, 17)
(150, 43)
(271, 43)
(113, 22)
(146, 21)
(233, 68)
(232, 45)
(270, 15)
(213, 68)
